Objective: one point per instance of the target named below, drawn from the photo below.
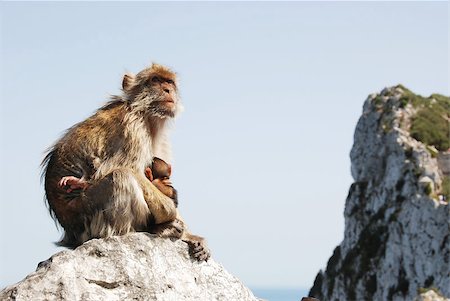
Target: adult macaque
(95, 180)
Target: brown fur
(105, 157)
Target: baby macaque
(159, 174)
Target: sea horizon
(280, 294)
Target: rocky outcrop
(397, 225)
(430, 295)
(136, 266)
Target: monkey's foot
(71, 183)
(198, 248)
(173, 229)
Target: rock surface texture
(396, 240)
(136, 266)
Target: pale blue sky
(272, 93)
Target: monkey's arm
(163, 184)
(177, 229)
(168, 221)
(162, 207)
(167, 189)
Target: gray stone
(444, 162)
(136, 266)
(430, 296)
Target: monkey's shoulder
(95, 132)
(106, 120)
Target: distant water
(274, 294)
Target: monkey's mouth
(165, 100)
(165, 107)
(168, 102)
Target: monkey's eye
(156, 79)
(170, 82)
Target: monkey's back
(80, 152)
(85, 145)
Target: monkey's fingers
(167, 182)
(203, 255)
(63, 182)
(76, 187)
(69, 180)
(198, 250)
(73, 183)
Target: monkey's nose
(167, 90)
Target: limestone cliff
(396, 241)
(136, 266)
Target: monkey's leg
(115, 205)
(162, 208)
(174, 229)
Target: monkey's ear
(128, 81)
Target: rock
(397, 235)
(136, 266)
(444, 162)
(430, 296)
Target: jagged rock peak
(397, 224)
(136, 266)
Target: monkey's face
(153, 91)
(165, 95)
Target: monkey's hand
(197, 247)
(165, 186)
(173, 229)
(71, 183)
(166, 181)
